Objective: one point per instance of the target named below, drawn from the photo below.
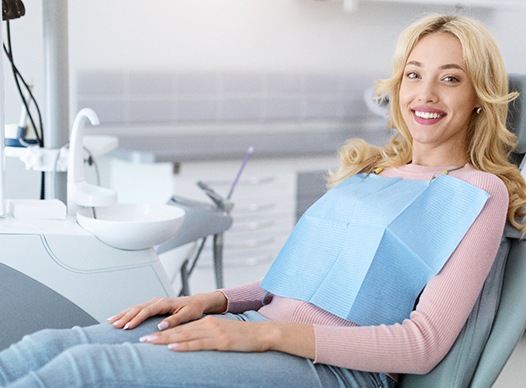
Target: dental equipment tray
(201, 221)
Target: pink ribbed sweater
(420, 342)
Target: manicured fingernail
(173, 346)
(126, 326)
(115, 323)
(148, 338)
(162, 326)
(111, 318)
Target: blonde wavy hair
(491, 143)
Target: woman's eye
(451, 79)
(411, 75)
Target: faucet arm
(76, 161)
(79, 191)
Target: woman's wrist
(214, 302)
(292, 338)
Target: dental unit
(60, 268)
(77, 256)
(81, 262)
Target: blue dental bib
(366, 249)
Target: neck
(428, 156)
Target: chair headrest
(517, 110)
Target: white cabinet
(264, 212)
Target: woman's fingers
(181, 314)
(181, 310)
(135, 315)
(210, 333)
(191, 332)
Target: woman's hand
(180, 310)
(215, 333)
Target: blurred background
(188, 86)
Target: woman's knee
(50, 340)
(81, 365)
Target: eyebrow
(443, 67)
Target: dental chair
(498, 320)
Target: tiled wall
(163, 97)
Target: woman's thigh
(147, 365)
(102, 356)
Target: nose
(427, 91)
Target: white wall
(239, 35)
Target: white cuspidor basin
(132, 226)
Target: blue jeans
(102, 356)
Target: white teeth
(427, 115)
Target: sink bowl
(132, 226)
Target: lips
(427, 116)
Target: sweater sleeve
(420, 342)
(247, 297)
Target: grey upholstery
(517, 112)
(32, 306)
(498, 319)
(510, 321)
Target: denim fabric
(102, 356)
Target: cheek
(402, 100)
(465, 108)
(404, 97)
(466, 101)
(407, 118)
(403, 104)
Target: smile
(428, 115)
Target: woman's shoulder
(487, 181)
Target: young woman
(378, 277)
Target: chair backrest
(498, 319)
(517, 116)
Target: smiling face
(437, 100)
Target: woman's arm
(414, 346)
(246, 297)
(420, 342)
(189, 308)
(213, 333)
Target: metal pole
(218, 259)
(56, 88)
(2, 134)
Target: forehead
(438, 49)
